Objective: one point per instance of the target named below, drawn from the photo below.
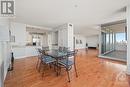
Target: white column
(100, 41)
(128, 39)
(70, 36)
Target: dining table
(57, 55)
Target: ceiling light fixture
(75, 6)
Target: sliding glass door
(107, 40)
(103, 42)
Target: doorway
(114, 41)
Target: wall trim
(25, 57)
(108, 51)
(106, 57)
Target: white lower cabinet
(25, 51)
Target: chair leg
(75, 70)
(55, 67)
(37, 63)
(39, 66)
(59, 70)
(43, 70)
(50, 66)
(68, 75)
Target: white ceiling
(84, 14)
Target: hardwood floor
(92, 71)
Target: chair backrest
(45, 48)
(71, 54)
(40, 53)
(65, 49)
(60, 49)
(43, 56)
(38, 50)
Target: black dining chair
(61, 49)
(65, 49)
(67, 63)
(45, 48)
(44, 61)
(39, 53)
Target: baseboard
(112, 58)
(81, 49)
(108, 52)
(25, 57)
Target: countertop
(23, 46)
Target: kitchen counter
(24, 51)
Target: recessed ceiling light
(76, 6)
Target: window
(120, 37)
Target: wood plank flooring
(92, 71)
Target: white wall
(4, 33)
(1, 65)
(19, 31)
(5, 50)
(128, 40)
(6, 55)
(80, 46)
(92, 40)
